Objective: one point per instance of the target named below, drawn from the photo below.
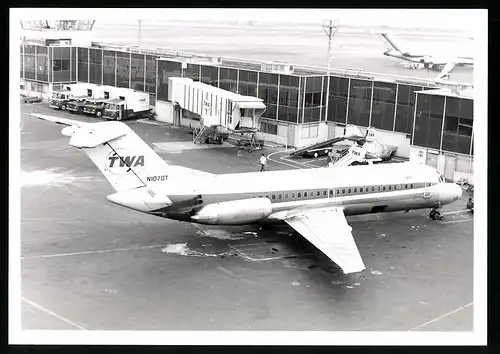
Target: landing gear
(436, 215)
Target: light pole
(330, 27)
(139, 36)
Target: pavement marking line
(283, 163)
(455, 212)
(54, 314)
(92, 252)
(454, 221)
(442, 316)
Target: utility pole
(330, 27)
(139, 36)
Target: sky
(455, 19)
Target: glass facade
(428, 121)
(288, 98)
(150, 74)
(95, 66)
(109, 68)
(360, 95)
(42, 63)
(166, 69)
(313, 99)
(405, 108)
(457, 134)
(228, 79)
(83, 64)
(61, 64)
(268, 91)
(247, 82)
(383, 105)
(29, 62)
(210, 75)
(123, 69)
(137, 71)
(337, 100)
(192, 71)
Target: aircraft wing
(446, 70)
(327, 229)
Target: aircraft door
(427, 192)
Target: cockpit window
(440, 176)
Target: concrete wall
(454, 167)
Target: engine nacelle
(237, 212)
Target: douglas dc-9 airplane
(444, 62)
(312, 201)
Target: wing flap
(327, 229)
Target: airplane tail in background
(121, 155)
(392, 42)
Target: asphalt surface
(304, 45)
(90, 264)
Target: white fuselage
(357, 189)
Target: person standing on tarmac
(263, 163)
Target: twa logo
(123, 161)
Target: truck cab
(114, 109)
(95, 107)
(76, 104)
(60, 99)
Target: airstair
(355, 154)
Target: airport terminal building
(430, 123)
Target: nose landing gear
(435, 214)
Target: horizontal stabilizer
(96, 134)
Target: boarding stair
(355, 154)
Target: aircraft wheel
(436, 215)
(98, 114)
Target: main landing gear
(435, 214)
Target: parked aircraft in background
(312, 201)
(444, 62)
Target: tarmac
(352, 48)
(89, 264)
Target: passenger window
(299, 195)
(274, 196)
(286, 195)
(406, 186)
(373, 189)
(331, 192)
(338, 191)
(324, 192)
(355, 190)
(343, 191)
(317, 193)
(390, 187)
(411, 185)
(396, 187)
(367, 189)
(383, 188)
(349, 191)
(293, 195)
(279, 196)
(305, 194)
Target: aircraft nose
(451, 192)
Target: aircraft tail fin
(121, 155)
(392, 42)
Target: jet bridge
(220, 111)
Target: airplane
(445, 63)
(314, 201)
